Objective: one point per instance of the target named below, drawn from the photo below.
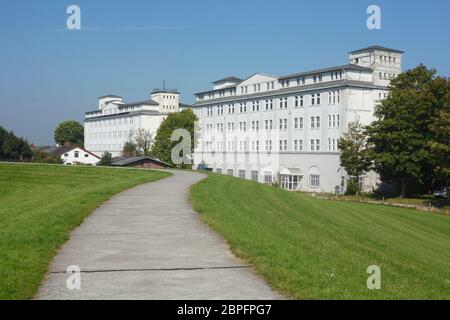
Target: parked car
(442, 193)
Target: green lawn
(40, 205)
(311, 248)
(424, 200)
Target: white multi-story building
(117, 122)
(285, 129)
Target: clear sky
(49, 74)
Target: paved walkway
(147, 243)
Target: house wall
(83, 157)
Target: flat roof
(376, 47)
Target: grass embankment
(312, 248)
(39, 206)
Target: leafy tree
(439, 144)
(129, 149)
(69, 131)
(143, 141)
(355, 155)
(106, 159)
(162, 147)
(401, 132)
(13, 147)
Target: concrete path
(147, 243)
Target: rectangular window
(76, 154)
(312, 145)
(242, 174)
(317, 122)
(317, 145)
(312, 122)
(254, 175)
(230, 172)
(267, 178)
(314, 180)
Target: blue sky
(49, 74)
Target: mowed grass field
(309, 248)
(40, 205)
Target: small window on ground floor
(314, 180)
(254, 175)
(267, 178)
(242, 174)
(230, 172)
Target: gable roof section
(58, 151)
(259, 74)
(123, 161)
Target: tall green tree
(162, 146)
(355, 154)
(69, 131)
(400, 135)
(439, 144)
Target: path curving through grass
(40, 205)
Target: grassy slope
(310, 248)
(39, 206)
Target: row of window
(105, 147)
(315, 122)
(297, 145)
(386, 76)
(334, 97)
(384, 59)
(286, 183)
(111, 135)
(270, 85)
(110, 122)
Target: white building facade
(116, 122)
(77, 155)
(285, 129)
